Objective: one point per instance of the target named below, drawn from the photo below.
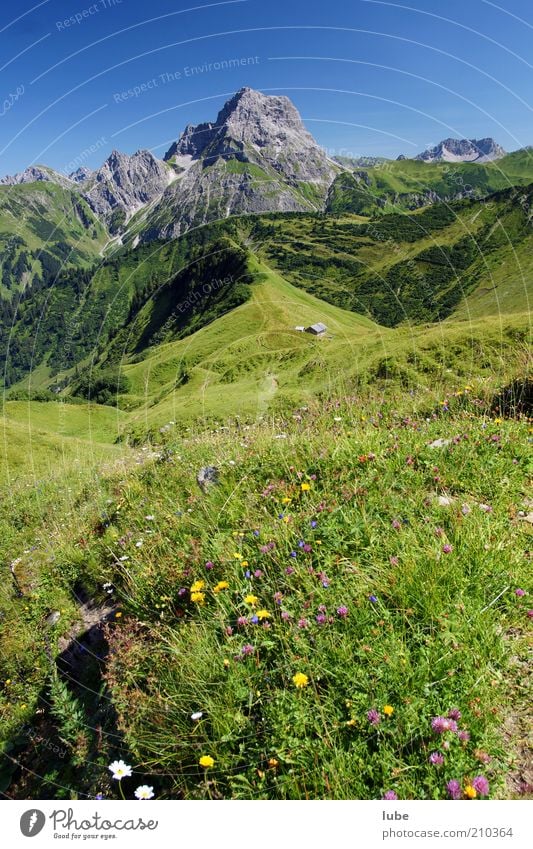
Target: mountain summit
(256, 157)
(463, 150)
(252, 123)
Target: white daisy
(120, 770)
(144, 792)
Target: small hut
(317, 329)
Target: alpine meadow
(266, 520)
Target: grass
(337, 505)
(367, 512)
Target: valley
(349, 590)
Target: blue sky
(368, 77)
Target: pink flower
(454, 789)
(373, 717)
(436, 759)
(390, 794)
(447, 548)
(454, 713)
(441, 724)
(342, 611)
(481, 784)
(519, 592)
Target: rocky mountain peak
(248, 118)
(126, 183)
(463, 150)
(36, 174)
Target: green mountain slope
(410, 184)
(470, 258)
(44, 228)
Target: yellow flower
(226, 663)
(8, 682)
(237, 555)
(351, 722)
(470, 792)
(118, 614)
(300, 680)
(286, 519)
(198, 598)
(244, 563)
(273, 763)
(222, 585)
(197, 586)
(251, 599)
(263, 614)
(286, 500)
(388, 710)
(306, 487)
(206, 761)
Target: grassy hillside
(467, 258)
(410, 183)
(43, 228)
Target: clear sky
(368, 77)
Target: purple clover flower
(481, 785)
(436, 759)
(247, 649)
(454, 713)
(390, 794)
(441, 724)
(454, 789)
(373, 717)
(342, 611)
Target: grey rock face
(127, 183)
(463, 150)
(256, 157)
(81, 175)
(36, 174)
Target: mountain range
(257, 156)
(463, 150)
(100, 260)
